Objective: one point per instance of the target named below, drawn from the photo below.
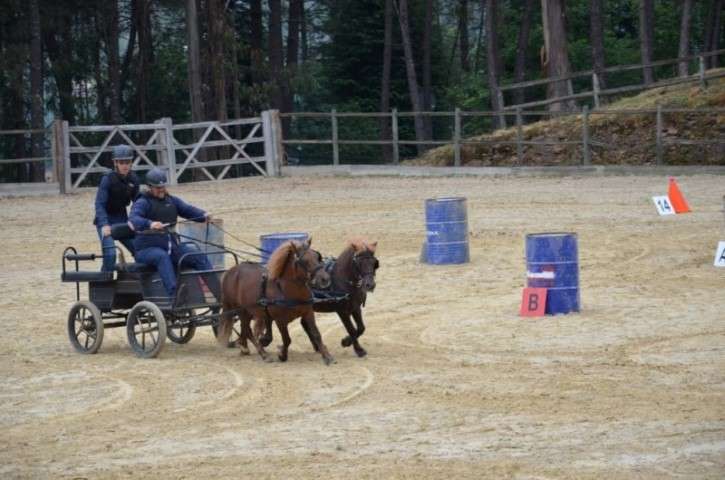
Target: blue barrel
(446, 225)
(269, 243)
(552, 262)
(202, 234)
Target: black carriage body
(129, 288)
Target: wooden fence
(29, 133)
(597, 94)
(586, 141)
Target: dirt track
(455, 384)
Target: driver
(154, 216)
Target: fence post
(587, 159)
(457, 138)
(658, 123)
(65, 180)
(595, 88)
(501, 116)
(335, 138)
(272, 129)
(168, 153)
(703, 83)
(519, 136)
(396, 147)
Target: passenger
(116, 191)
(153, 217)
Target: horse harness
(265, 302)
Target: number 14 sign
(663, 204)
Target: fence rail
(596, 93)
(586, 140)
(48, 176)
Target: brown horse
(280, 293)
(353, 275)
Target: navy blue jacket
(140, 221)
(103, 196)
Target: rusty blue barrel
(552, 262)
(446, 222)
(209, 237)
(270, 243)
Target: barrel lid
(446, 199)
(284, 236)
(550, 234)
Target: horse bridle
(302, 264)
(359, 274)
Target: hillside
(617, 138)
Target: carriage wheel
(146, 329)
(235, 336)
(85, 327)
(181, 333)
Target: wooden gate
(251, 145)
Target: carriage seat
(81, 276)
(134, 267)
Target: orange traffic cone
(676, 198)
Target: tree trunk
(385, 122)
(522, 45)
(37, 169)
(463, 35)
(255, 40)
(101, 87)
(293, 51)
(114, 72)
(646, 36)
(492, 60)
(716, 32)
(427, 75)
(596, 17)
(557, 56)
(275, 53)
(685, 37)
(128, 56)
(194, 62)
(410, 70)
(145, 57)
(216, 45)
(303, 32)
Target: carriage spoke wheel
(234, 336)
(85, 327)
(146, 329)
(181, 333)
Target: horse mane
(356, 245)
(278, 260)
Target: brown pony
(281, 293)
(353, 274)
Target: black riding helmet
(156, 178)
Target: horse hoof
(265, 341)
(360, 352)
(328, 360)
(346, 342)
(282, 358)
(243, 351)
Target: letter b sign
(533, 303)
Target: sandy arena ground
(455, 384)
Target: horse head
(365, 264)
(298, 261)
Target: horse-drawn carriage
(134, 297)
